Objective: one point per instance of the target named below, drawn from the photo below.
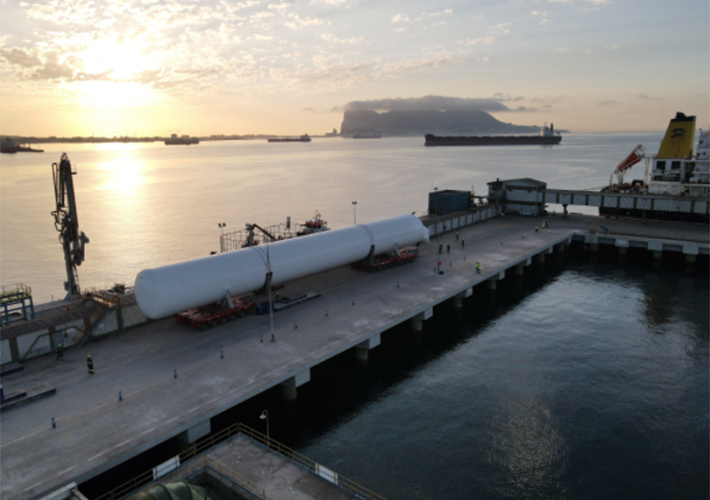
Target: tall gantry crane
(66, 222)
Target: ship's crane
(66, 222)
(636, 156)
(251, 241)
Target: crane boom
(66, 221)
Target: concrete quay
(173, 379)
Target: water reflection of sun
(123, 176)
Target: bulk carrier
(547, 136)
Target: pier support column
(362, 350)
(288, 387)
(690, 252)
(188, 437)
(592, 241)
(492, 282)
(622, 249)
(540, 258)
(458, 299)
(418, 319)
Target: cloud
(485, 41)
(332, 38)
(297, 22)
(599, 2)
(430, 102)
(400, 18)
(611, 46)
(647, 97)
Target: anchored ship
(184, 140)
(9, 146)
(547, 136)
(675, 171)
(303, 138)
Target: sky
(155, 67)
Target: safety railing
(15, 292)
(193, 453)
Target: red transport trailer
(212, 315)
(385, 261)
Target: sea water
(584, 380)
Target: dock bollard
(295, 325)
(261, 338)
(120, 396)
(353, 302)
(174, 373)
(221, 354)
(54, 424)
(326, 312)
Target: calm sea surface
(586, 380)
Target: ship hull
(653, 215)
(492, 140)
(289, 140)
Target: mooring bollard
(120, 396)
(174, 373)
(295, 325)
(54, 424)
(326, 312)
(221, 354)
(353, 302)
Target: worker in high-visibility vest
(478, 268)
(90, 364)
(59, 352)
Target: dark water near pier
(583, 380)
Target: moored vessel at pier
(675, 171)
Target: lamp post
(355, 213)
(222, 225)
(265, 416)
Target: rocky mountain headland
(420, 122)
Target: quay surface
(95, 431)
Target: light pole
(355, 213)
(265, 416)
(222, 225)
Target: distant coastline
(21, 139)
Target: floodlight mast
(66, 221)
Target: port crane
(66, 221)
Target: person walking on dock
(448, 248)
(457, 236)
(60, 355)
(90, 364)
(441, 247)
(478, 268)
(463, 243)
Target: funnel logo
(677, 132)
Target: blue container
(448, 201)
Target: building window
(660, 165)
(675, 165)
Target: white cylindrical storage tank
(174, 288)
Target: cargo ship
(675, 171)
(184, 140)
(303, 138)
(9, 146)
(546, 137)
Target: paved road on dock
(96, 432)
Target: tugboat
(674, 171)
